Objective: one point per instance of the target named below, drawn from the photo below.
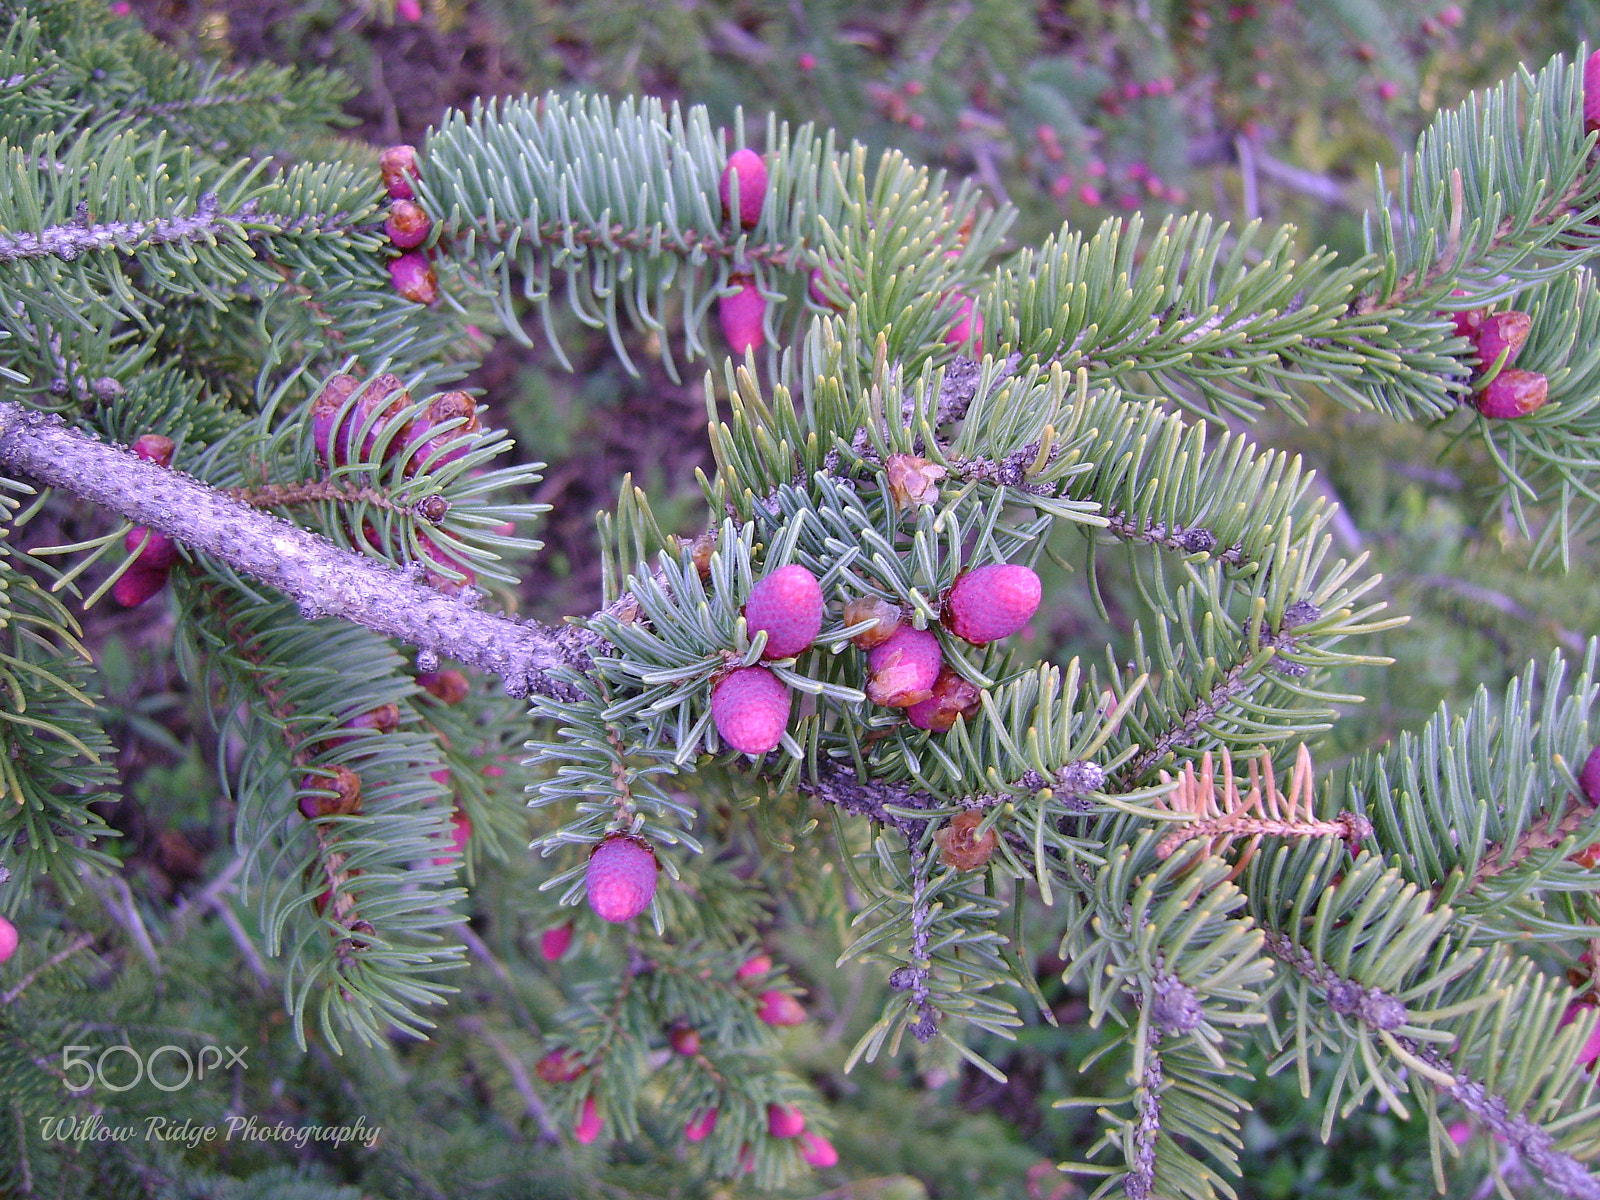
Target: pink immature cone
(137, 584)
(788, 605)
(1591, 93)
(154, 447)
(621, 878)
(750, 169)
(952, 697)
(460, 835)
(741, 315)
(426, 440)
(1501, 333)
(408, 225)
(902, 670)
(398, 166)
(8, 939)
(779, 1008)
(785, 1120)
(414, 278)
(1589, 776)
(1512, 394)
(160, 553)
(968, 325)
(699, 1128)
(447, 686)
(992, 602)
(553, 943)
(589, 1123)
(817, 1151)
(762, 963)
(750, 708)
(409, 10)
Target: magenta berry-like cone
(1589, 776)
(817, 1151)
(788, 605)
(413, 277)
(988, 603)
(589, 1123)
(751, 170)
(759, 965)
(8, 939)
(154, 447)
(902, 670)
(408, 225)
(952, 697)
(750, 708)
(741, 316)
(699, 1128)
(779, 1008)
(1501, 333)
(398, 166)
(553, 943)
(1591, 93)
(1512, 394)
(785, 1120)
(968, 324)
(138, 584)
(460, 835)
(621, 878)
(160, 553)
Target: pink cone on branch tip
(741, 315)
(408, 224)
(553, 943)
(154, 447)
(426, 440)
(817, 1151)
(621, 878)
(988, 603)
(1501, 333)
(589, 1123)
(902, 670)
(785, 1120)
(787, 604)
(8, 939)
(751, 171)
(1591, 93)
(699, 1127)
(753, 967)
(968, 324)
(779, 1009)
(414, 278)
(325, 410)
(398, 166)
(1512, 394)
(750, 709)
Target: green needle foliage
(184, 252)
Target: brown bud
(959, 845)
(913, 481)
(952, 697)
(315, 800)
(700, 551)
(870, 608)
(449, 687)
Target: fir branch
(916, 979)
(1194, 540)
(1138, 1182)
(68, 242)
(312, 491)
(80, 942)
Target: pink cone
(780, 1008)
(8, 939)
(785, 1120)
(817, 1151)
(741, 316)
(751, 170)
(968, 324)
(751, 968)
(699, 1128)
(414, 278)
(553, 943)
(1591, 93)
(621, 878)
(589, 1124)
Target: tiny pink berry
(1589, 776)
(1096, 168)
(750, 169)
(762, 963)
(553, 943)
(699, 1127)
(741, 315)
(817, 1151)
(685, 1041)
(1388, 90)
(808, 61)
(968, 324)
(1090, 195)
(442, 777)
(1502, 333)
(621, 878)
(8, 939)
(408, 224)
(902, 670)
(1511, 394)
(1591, 93)
(398, 166)
(1061, 186)
(780, 1008)
(787, 604)
(785, 1120)
(137, 585)
(1451, 15)
(589, 1124)
(414, 278)
(409, 10)
(1460, 1132)
(989, 603)
(750, 708)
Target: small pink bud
(121, 8)
(408, 225)
(442, 777)
(153, 447)
(1459, 1132)
(808, 61)
(8, 939)
(409, 10)
(902, 670)
(447, 686)
(817, 1151)
(988, 603)
(750, 169)
(762, 963)
(952, 697)
(137, 585)
(968, 324)
(460, 835)
(685, 1041)
(398, 166)
(559, 1066)
(741, 315)
(1502, 332)
(1451, 16)
(1089, 195)
(413, 277)
(160, 553)
(787, 604)
(428, 444)
(1589, 776)
(750, 708)
(1511, 394)
(699, 1128)
(1388, 90)
(553, 943)
(589, 1124)
(621, 878)
(785, 1120)
(779, 1008)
